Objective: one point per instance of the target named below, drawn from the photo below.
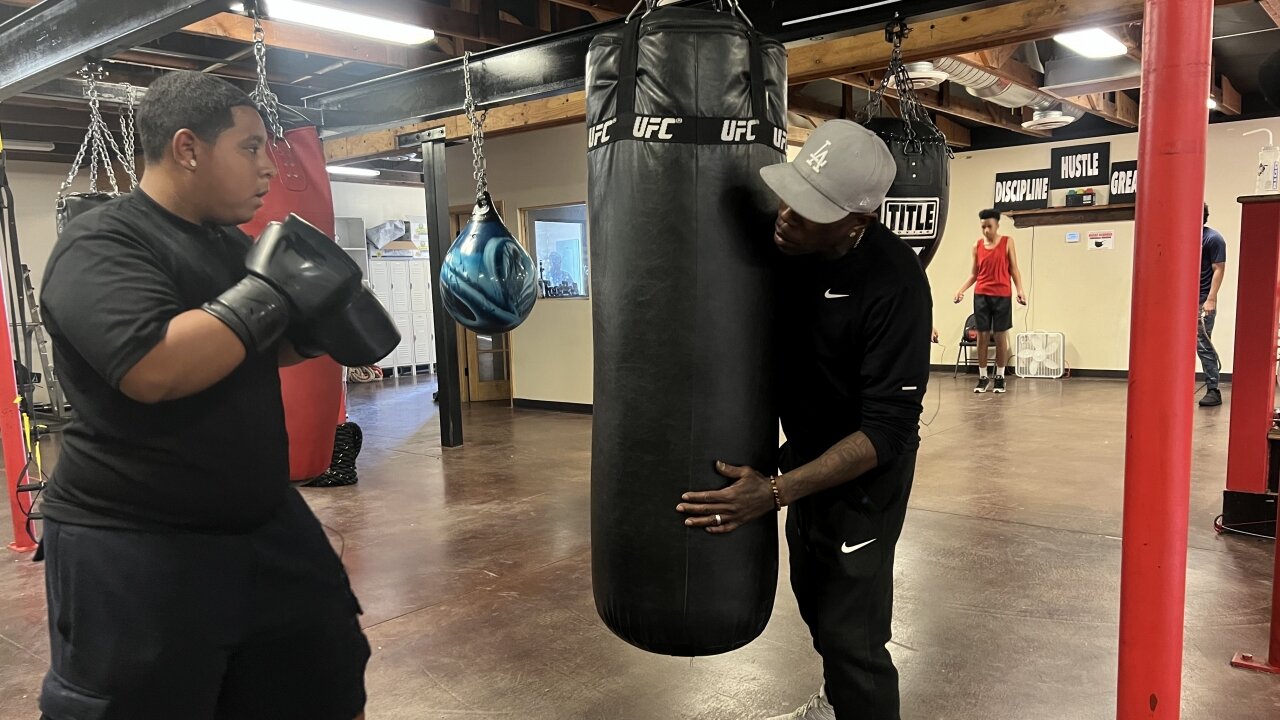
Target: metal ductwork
(994, 89)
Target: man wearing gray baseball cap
(853, 338)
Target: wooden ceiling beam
(607, 8)
(1273, 10)
(466, 22)
(544, 15)
(1003, 66)
(999, 61)
(936, 101)
(802, 104)
(957, 135)
(1117, 107)
(1226, 95)
(285, 36)
(1005, 24)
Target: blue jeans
(1204, 348)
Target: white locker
(404, 351)
(399, 286)
(420, 286)
(380, 281)
(424, 342)
(403, 287)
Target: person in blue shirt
(1213, 265)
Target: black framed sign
(1080, 166)
(1026, 190)
(1124, 181)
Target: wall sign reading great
(1124, 182)
(1077, 176)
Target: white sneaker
(816, 709)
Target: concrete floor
(473, 568)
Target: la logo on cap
(818, 158)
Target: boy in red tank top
(995, 264)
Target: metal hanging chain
(105, 138)
(262, 94)
(127, 124)
(478, 163)
(913, 111)
(97, 138)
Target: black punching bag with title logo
(683, 109)
(916, 206)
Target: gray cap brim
(800, 196)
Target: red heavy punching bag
(312, 390)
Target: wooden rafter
(957, 135)
(1020, 74)
(544, 15)
(239, 28)
(1004, 24)
(601, 9)
(1273, 10)
(940, 101)
(802, 104)
(1117, 105)
(467, 22)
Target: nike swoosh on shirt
(844, 547)
(831, 296)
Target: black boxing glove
(358, 333)
(296, 274)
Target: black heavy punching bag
(916, 207)
(683, 109)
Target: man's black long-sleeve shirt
(854, 339)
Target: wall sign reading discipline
(1027, 190)
(1124, 181)
(1080, 166)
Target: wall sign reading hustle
(1080, 166)
(1025, 190)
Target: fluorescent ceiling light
(1213, 104)
(28, 145)
(1092, 43)
(352, 171)
(343, 21)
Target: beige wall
(376, 204)
(551, 351)
(1085, 293)
(35, 189)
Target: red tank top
(993, 269)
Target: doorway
(484, 361)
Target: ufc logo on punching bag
(645, 127)
(599, 134)
(780, 139)
(738, 130)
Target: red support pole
(11, 434)
(1172, 134)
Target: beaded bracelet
(777, 497)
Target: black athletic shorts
(186, 626)
(992, 313)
